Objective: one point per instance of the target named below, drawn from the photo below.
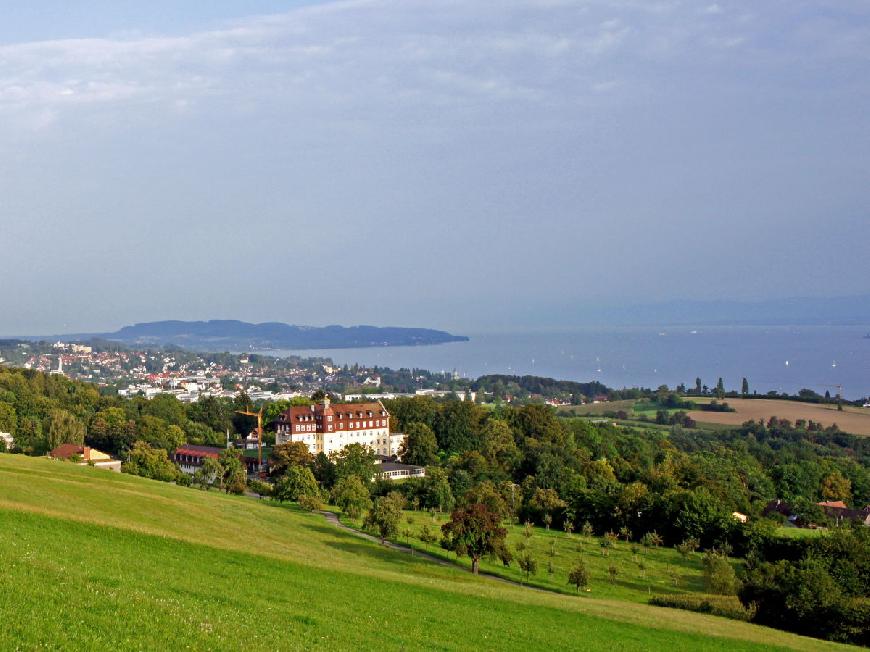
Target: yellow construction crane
(259, 416)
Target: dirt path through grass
(333, 520)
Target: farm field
(105, 561)
(597, 409)
(851, 419)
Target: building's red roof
(341, 413)
(65, 451)
(838, 504)
(199, 451)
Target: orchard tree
(474, 530)
(385, 514)
(488, 494)
(527, 564)
(579, 576)
(687, 547)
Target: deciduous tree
(385, 514)
(420, 445)
(297, 481)
(578, 576)
(351, 496)
(474, 530)
(64, 428)
(283, 456)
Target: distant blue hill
(228, 334)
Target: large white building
(325, 428)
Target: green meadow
(640, 572)
(101, 561)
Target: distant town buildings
(434, 393)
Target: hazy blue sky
(459, 164)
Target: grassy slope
(102, 561)
(631, 583)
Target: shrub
(727, 606)
(311, 502)
(296, 482)
(579, 576)
(527, 564)
(687, 547)
(719, 575)
(351, 496)
(259, 487)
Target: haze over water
(782, 358)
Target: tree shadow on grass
(349, 542)
(394, 557)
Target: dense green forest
(673, 486)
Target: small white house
(6, 441)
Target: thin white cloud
(372, 53)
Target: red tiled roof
(340, 411)
(65, 451)
(839, 504)
(199, 451)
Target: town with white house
(323, 428)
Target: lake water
(782, 358)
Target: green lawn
(799, 532)
(560, 551)
(596, 409)
(100, 561)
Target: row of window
(340, 415)
(377, 423)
